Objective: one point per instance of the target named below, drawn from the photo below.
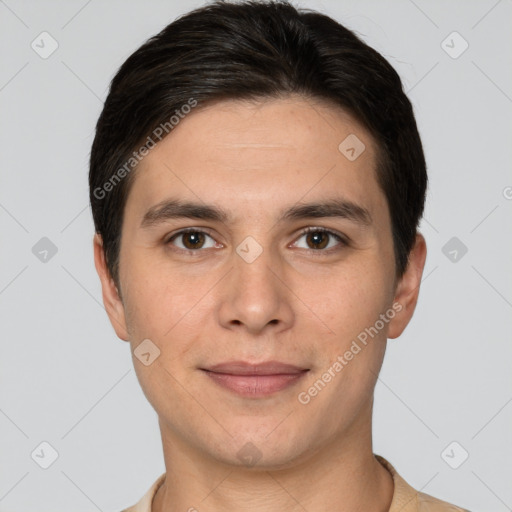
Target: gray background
(66, 379)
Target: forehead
(261, 153)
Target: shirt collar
(405, 497)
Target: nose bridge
(255, 295)
(254, 270)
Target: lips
(255, 380)
(266, 368)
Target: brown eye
(191, 240)
(318, 239)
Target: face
(287, 259)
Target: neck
(343, 475)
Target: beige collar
(405, 498)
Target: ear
(408, 288)
(113, 304)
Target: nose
(255, 295)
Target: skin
(295, 303)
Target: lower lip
(255, 386)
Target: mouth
(255, 380)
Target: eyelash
(343, 241)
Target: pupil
(193, 239)
(318, 237)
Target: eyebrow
(176, 208)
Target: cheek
(161, 304)
(359, 342)
(349, 300)
(146, 297)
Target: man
(256, 181)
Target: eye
(316, 239)
(320, 239)
(192, 239)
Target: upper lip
(246, 368)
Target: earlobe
(408, 288)
(113, 304)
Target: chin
(262, 451)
